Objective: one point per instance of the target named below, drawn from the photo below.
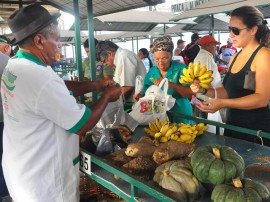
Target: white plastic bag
(154, 104)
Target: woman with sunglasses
(246, 108)
(167, 68)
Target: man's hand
(112, 92)
(137, 97)
(104, 83)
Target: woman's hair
(251, 17)
(145, 53)
(163, 44)
(102, 47)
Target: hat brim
(52, 18)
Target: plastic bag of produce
(154, 104)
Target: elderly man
(43, 122)
(205, 56)
(127, 66)
(5, 50)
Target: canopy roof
(102, 7)
(222, 6)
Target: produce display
(164, 131)
(172, 150)
(177, 177)
(216, 164)
(196, 72)
(241, 190)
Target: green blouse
(182, 104)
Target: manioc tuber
(118, 158)
(140, 149)
(172, 150)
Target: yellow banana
(166, 121)
(181, 80)
(153, 127)
(209, 80)
(158, 124)
(200, 132)
(171, 131)
(174, 137)
(185, 137)
(186, 131)
(197, 69)
(157, 135)
(149, 132)
(185, 72)
(204, 85)
(202, 70)
(185, 79)
(199, 126)
(164, 129)
(191, 71)
(163, 139)
(205, 128)
(206, 75)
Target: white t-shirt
(40, 151)
(128, 66)
(206, 58)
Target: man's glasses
(235, 30)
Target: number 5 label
(85, 162)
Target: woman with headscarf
(167, 68)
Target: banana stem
(166, 173)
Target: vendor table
(131, 188)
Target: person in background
(247, 108)
(167, 68)
(43, 121)
(102, 71)
(151, 55)
(206, 57)
(226, 52)
(143, 54)
(192, 49)
(180, 47)
(5, 50)
(127, 66)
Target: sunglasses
(235, 30)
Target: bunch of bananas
(194, 72)
(163, 132)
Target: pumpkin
(177, 178)
(216, 164)
(241, 191)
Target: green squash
(216, 164)
(245, 190)
(177, 180)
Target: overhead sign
(186, 5)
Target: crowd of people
(44, 122)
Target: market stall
(132, 188)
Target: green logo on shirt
(8, 79)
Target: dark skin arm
(111, 93)
(82, 87)
(127, 91)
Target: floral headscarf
(163, 44)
